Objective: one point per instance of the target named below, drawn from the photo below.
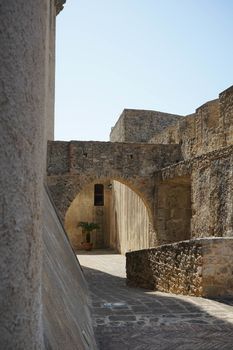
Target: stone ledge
(185, 168)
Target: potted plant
(87, 228)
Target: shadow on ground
(134, 318)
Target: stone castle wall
(139, 125)
(200, 267)
(209, 178)
(136, 126)
(73, 165)
(212, 188)
(173, 210)
(208, 129)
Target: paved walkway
(127, 318)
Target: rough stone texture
(200, 267)
(208, 129)
(23, 65)
(212, 188)
(135, 125)
(73, 165)
(174, 268)
(210, 179)
(190, 198)
(205, 181)
(173, 210)
(226, 114)
(217, 267)
(66, 316)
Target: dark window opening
(99, 195)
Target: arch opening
(123, 218)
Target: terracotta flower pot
(87, 246)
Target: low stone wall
(201, 267)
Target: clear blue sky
(166, 55)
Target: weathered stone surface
(208, 129)
(73, 165)
(23, 82)
(174, 268)
(209, 177)
(135, 125)
(185, 198)
(212, 194)
(217, 269)
(66, 316)
(201, 267)
(173, 210)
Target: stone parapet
(200, 267)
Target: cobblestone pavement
(127, 318)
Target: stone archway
(125, 220)
(73, 165)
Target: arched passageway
(122, 216)
(71, 166)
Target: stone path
(127, 318)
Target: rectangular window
(99, 195)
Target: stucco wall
(129, 220)
(123, 220)
(82, 209)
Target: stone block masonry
(137, 125)
(73, 165)
(201, 267)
